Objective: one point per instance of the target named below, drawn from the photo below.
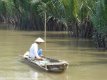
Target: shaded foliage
(81, 18)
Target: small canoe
(48, 64)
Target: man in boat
(34, 51)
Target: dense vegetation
(81, 18)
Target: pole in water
(45, 29)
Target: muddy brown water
(85, 61)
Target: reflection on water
(85, 61)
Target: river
(85, 61)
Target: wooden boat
(48, 64)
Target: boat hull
(48, 64)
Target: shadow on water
(76, 43)
(89, 63)
(37, 34)
(100, 55)
(63, 39)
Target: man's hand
(39, 58)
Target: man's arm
(36, 52)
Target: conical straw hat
(39, 40)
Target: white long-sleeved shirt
(33, 51)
